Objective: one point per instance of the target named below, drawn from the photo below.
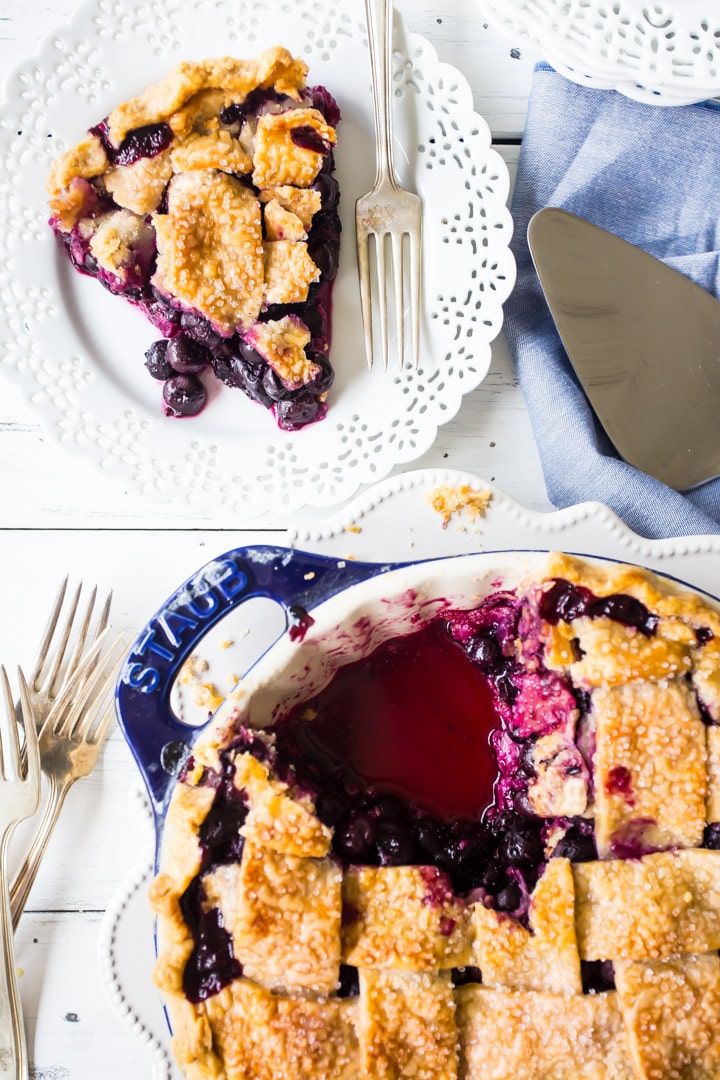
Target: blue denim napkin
(651, 174)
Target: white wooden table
(58, 515)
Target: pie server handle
(298, 581)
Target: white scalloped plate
(664, 53)
(393, 521)
(78, 351)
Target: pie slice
(488, 848)
(210, 203)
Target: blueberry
(200, 329)
(598, 976)
(432, 837)
(564, 601)
(493, 877)
(626, 610)
(395, 844)
(711, 838)
(232, 114)
(349, 984)
(187, 356)
(329, 190)
(329, 809)
(184, 395)
(298, 412)
(314, 319)
(156, 362)
(321, 382)
(522, 844)
(143, 142)
(307, 138)
(486, 652)
(508, 898)
(576, 847)
(463, 975)
(386, 806)
(274, 387)
(324, 102)
(356, 841)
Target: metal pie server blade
(644, 342)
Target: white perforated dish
(78, 351)
(662, 53)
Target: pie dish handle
(298, 581)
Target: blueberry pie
(486, 848)
(210, 203)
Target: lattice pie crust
(295, 913)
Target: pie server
(644, 342)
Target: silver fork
(70, 740)
(48, 679)
(388, 213)
(19, 798)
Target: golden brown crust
(139, 187)
(282, 343)
(614, 654)
(514, 1035)
(212, 222)
(650, 767)
(659, 906)
(303, 202)
(286, 920)
(266, 1036)
(218, 150)
(544, 957)
(713, 774)
(277, 159)
(275, 67)
(671, 1010)
(407, 1026)
(403, 917)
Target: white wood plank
(72, 1030)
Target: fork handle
(13, 1048)
(379, 15)
(25, 877)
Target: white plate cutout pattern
(662, 53)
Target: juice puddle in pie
(484, 849)
(209, 202)
(414, 719)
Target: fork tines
(388, 226)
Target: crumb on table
(204, 693)
(448, 501)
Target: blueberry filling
(212, 964)
(567, 602)
(307, 138)
(142, 142)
